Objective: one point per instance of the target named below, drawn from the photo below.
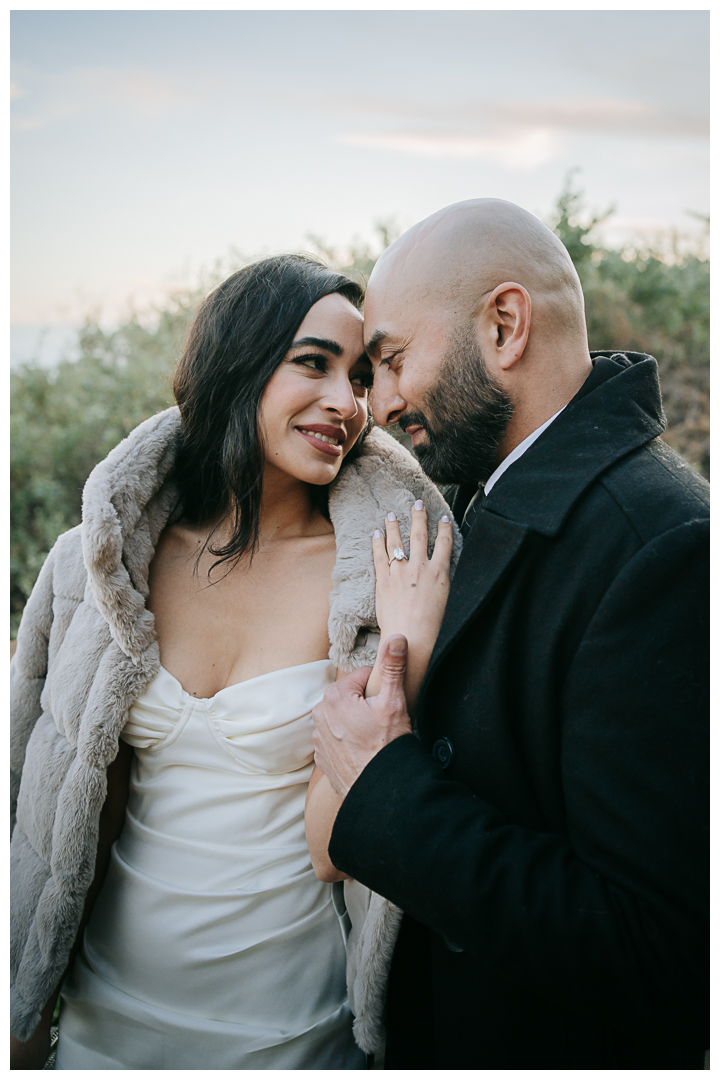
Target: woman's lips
(326, 447)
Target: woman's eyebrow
(319, 343)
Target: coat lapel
(618, 410)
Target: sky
(146, 145)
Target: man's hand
(351, 729)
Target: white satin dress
(212, 945)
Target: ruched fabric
(212, 944)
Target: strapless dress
(212, 945)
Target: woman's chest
(256, 618)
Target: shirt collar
(518, 452)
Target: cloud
(601, 115)
(141, 92)
(82, 90)
(524, 150)
(29, 123)
(518, 134)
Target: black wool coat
(546, 833)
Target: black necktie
(471, 512)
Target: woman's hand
(411, 593)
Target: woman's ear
(508, 310)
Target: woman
(168, 662)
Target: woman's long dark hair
(237, 341)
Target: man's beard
(467, 415)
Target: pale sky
(146, 145)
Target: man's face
(431, 379)
(464, 418)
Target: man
(545, 832)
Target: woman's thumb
(393, 663)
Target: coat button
(443, 752)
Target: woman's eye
(315, 363)
(362, 378)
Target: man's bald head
(475, 323)
(460, 254)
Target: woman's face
(316, 404)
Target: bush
(649, 300)
(66, 419)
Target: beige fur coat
(87, 647)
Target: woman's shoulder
(62, 576)
(66, 564)
(380, 449)
(132, 464)
(385, 476)
(143, 450)
(383, 457)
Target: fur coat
(87, 647)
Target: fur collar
(128, 500)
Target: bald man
(543, 825)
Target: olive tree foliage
(67, 418)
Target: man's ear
(508, 310)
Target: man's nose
(386, 403)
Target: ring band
(398, 554)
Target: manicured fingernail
(444, 518)
(392, 516)
(419, 505)
(377, 534)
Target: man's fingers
(354, 683)
(443, 542)
(418, 533)
(393, 662)
(321, 763)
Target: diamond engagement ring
(398, 554)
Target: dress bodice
(211, 912)
(264, 724)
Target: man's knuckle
(393, 666)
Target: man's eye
(391, 361)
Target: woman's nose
(342, 399)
